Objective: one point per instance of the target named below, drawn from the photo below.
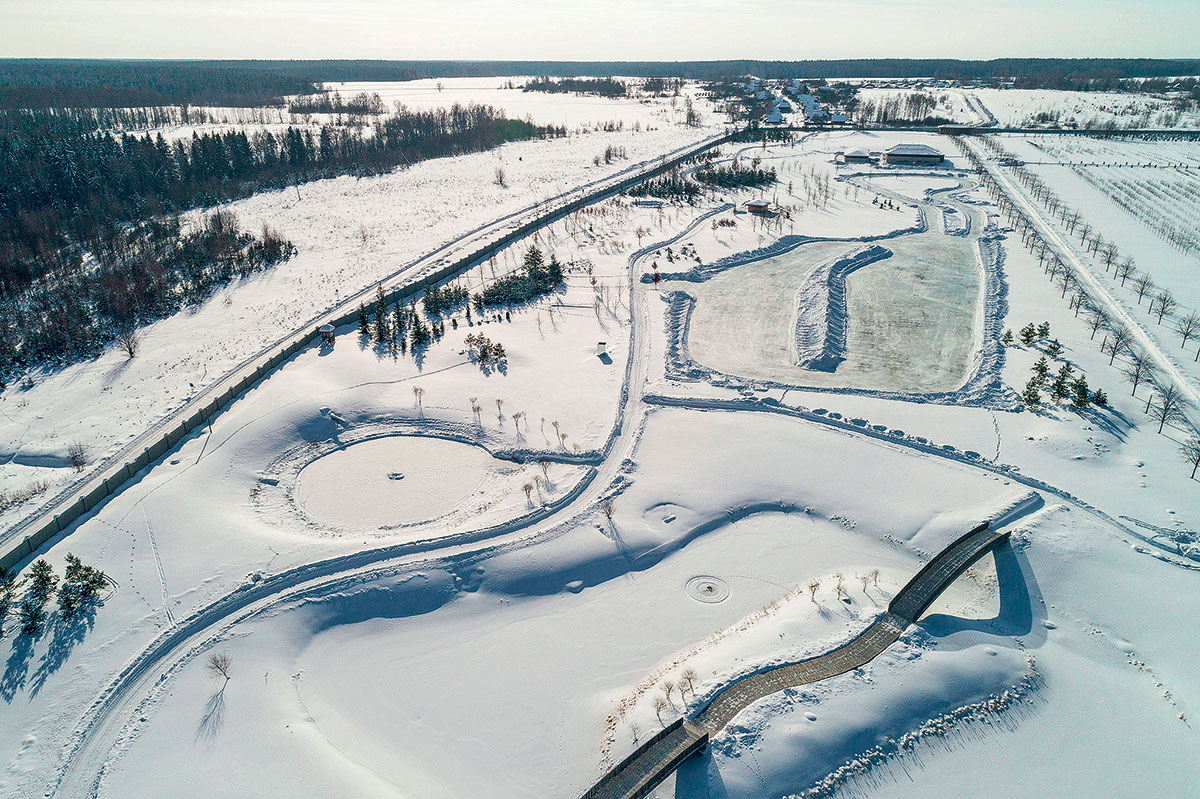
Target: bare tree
(840, 587)
(608, 509)
(1125, 270)
(813, 586)
(689, 676)
(1166, 303)
(501, 179)
(77, 455)
(875, 577)
(1138, 369)
(543, 463)
(668, 687)
(1109, 255)
(129, 341)
(865, 579)
(418, 394)
(1085, 232)
(1118, 342)
(1187, 326)
(1142, 286)
(1190, 450)
(499, 412)
(660, 706)
(1096, 320)
(528, 487)
(218, 664)
(1168, 407)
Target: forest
(59, 83)
(67, 195)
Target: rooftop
(911, 149)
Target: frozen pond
(914, 319)
(395, 480)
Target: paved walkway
(649, 765)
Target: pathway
(638, 774)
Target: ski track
(158, 565)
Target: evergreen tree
(1007, 338)
(1054, 348)
(1028, 334)
(364, 325)
(1043, 331)
(1099, 398)
(1082, 397)
(42, 582)
(1040, 369)
(1032, 395)
(1060, 387)
(8, 585)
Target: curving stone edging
(822, 316)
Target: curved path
(56, 514)
(100, 735)
(650, 764)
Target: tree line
(56, 83)
(61, 191)
(603, 87)
(360, 104)
(98, 83)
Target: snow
(573, 111)
(441, 634)
(351, 233)
(1057, 108)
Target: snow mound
(821, 312)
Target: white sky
(597, 29)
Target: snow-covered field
(1056, 108)
(350, 232)
(575, 112)
(1046, 108)
(1130, 208)
(499, 583)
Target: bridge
(651, 763)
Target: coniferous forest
(90, 243)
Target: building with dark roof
(911, 154)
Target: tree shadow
(212, 719)
(1110, 420)
(114, 374)
(16, 669)
(65, 636)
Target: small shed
(856, 156)
(326, 332)
(758, 206)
